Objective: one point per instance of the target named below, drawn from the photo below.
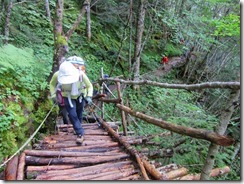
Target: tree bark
(31, 160)
(138, 43)
(7, 22)
(215, 172)
(77, 22)
(21, 167)
(11, 168)
(88, 20)
(81, 173)
(128, 147)
(212, 85)
(48, 10)
(122, 112)
(192, 132)
(224, 121)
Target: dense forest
(127, 40)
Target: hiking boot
(80, 139)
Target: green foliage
(26, 79)
(227, 26)
(22, 107)
(12, 57)
(172, 50)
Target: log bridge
(104, 155)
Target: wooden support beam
(52, 153)
(176, 173)
(215, 172)
(32, 160)
(192, 132)
(127, 146)
(81, 172)
(21, 167)
(11, 168)
(122, 112)
(153, 171)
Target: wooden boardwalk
(100, 157)
(58, 157)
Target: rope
(31, 137)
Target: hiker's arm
(53, 84)
(88, 85)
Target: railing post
(122, 112)
(101, 91)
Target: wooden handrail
(192, 132)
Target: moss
(61, 40)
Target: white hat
(75, 60)
(68, 74)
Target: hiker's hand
(88, 100)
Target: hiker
(76, 91)
(164, 60)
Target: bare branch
(231, 85)
(192, 132)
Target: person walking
(76, 91)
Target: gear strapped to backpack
(69, 75)
(60, 98)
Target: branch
(231, 85)
(192, 132)
(77, 22)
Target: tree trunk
(2, 9)
(224, 121)
(88, 20)
(7, 22)
(48, 10)
(61, 39)
(138, 43)
(60, 42)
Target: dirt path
(161, 71)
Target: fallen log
(49, 167)
(11, 168)
(131, 177)
(97, 146)
(176, 173)
(105, 175)
(127, 146)
(59, 138)
(192, 132)
(165, 152)
(31, 160)
(115, 175)
(21, 167)
(93, 149)
(48, 153)
(215, 172)
(54, 144)
(167, 168)
(153, 171)
(83, 171)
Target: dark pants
(75, 114)
(63, 112)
